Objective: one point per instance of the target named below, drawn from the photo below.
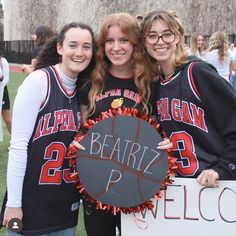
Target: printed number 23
(52, 172)
(183, 144)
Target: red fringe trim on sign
(72, 150)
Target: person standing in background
(197, 45)
(4, 79)
(232, 49)
(219, 55)
(46, 116)
(41, 36)
(6, 114)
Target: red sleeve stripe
(192, 83)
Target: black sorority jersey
(198, 122)
(50, 200)
(117, 93)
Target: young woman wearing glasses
(195, 106)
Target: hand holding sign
(121, 166)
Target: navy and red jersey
(117, 93)
(197, 110)
(50, 201)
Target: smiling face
(76, 51)
(162, 51)
(118, 48)
(200, 41)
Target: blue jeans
(233, 81)
(65, 232)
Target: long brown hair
(173, 22)
(219, 40)
(194, 44)
(129, 26)
(43, 34)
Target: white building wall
(23, 16)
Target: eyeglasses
(153, 38)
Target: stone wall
(23, 16)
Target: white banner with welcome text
(187, 209)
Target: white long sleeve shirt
(4, 75)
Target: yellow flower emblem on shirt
(117, 102)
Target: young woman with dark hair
(46, 116)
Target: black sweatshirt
(197, 109)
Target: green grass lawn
(15, 80)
